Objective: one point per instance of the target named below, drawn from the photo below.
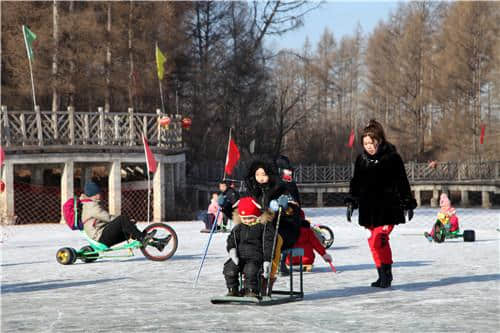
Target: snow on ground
(448, 287)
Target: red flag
(233, 155)
(2, 156)
(351, 139)
(150, 158)
(483, 131)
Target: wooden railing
(304, 174)
(46, 128)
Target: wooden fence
(46, 128)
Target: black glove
(349, 212)
(409, 204)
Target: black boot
(233, 292)
(387, 268)
(377, 283)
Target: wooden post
(319, 198)
(6, 128)
(485, 199)
(435, 198)
(418, 197)
(131, 128)
(39, 125)
(116, 125)
(86, 129)
(114, 191)
(67, 185)
(102, 140)
(145, 127)
(159, 191)
(55, 128)
(71, 122)
(22, 126)
(464, 198)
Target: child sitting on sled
(250, 246)
(447, 216)
(310, 243)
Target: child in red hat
(250, 246)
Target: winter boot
(234, 292)
(428, 236)
(147, 238)
(387, 268)
(377, 283)
(251, 293)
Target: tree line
(430, 72)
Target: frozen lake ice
(448, 287)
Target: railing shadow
(418, 286)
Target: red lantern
(2, 186)
(186, 123)
(164, 122)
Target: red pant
(379, 245)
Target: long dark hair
(375, 131)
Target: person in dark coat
(250, 246)
(264, 185)
(227, 198)
(381, 191)
(285, 171)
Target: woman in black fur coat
(381, 191)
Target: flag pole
(31, 69)
(149, 194)
(159, 81)
(227, 154)
(161, 95)
(176, 102)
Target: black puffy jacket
(289, 227)
(380, 187)
(252, 242)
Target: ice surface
(448, 287)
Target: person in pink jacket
(446, 215)
(212, 210)
(309, 242)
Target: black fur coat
(380, 188)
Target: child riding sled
(446, 215)
(250, 246)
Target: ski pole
(333, 267)
(206, 248)
(272, 253)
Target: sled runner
(285, 296)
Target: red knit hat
(247, 207)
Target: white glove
(234, 256)
(327, 257)
(267, 269)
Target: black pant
(119, 230)
(250, 269)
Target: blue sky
(341, 17)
